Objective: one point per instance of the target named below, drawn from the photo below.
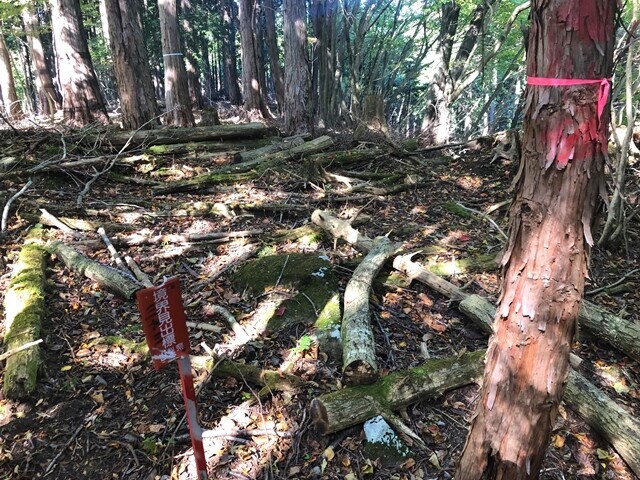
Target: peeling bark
(546, 258)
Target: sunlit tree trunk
(274, 55)
(176, 90)
(7, 84)
(232, 86)
(254, 96)
(193, 71)
(82, 102)
(297, 81)
(131, 65)
(546, 257)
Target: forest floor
(100, 410)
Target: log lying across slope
(24, 311)
(165, 136)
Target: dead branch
(5, 211)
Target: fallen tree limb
(341, 229)
(24, 311)
(358, 347)
(285, 144)
(141, 239)
(341, 409)
(7, 206)
(160, 136)
(109, 277)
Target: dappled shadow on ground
(101, 411)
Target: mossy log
(313, 146)
(358, 346)
(109, 277)
(205, 180)
(24, 312)
(140, 239)
(285, 144)
(350, 406)
(166, 136)
(481, 263)
(196, 147)
(74, 223)
(271, 379)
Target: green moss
(129, 345)
(410, 145)
(456, 209)
(481, 263)
(307, 279)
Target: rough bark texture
(229, 52)
(191, 46)
(545, 261)
(358, 347)
(131, 64)
(49, 100)
(82, 102)
(24, 312)
(7, 84)
(176, 90)
(373, 112)
(254, 100)
(297, 80)
(274, 54)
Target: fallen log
(195, 148)
(350, 406)
(358, 346)
(24, 311)
(160, 136)
(285, 144)
(141, 239)
(108, 277)
(341, 229)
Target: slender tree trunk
(546, 258)
(274, 55)
(193, 71)
(252, 92)
(232, 86)
(176, 90)
(206, 71)
(7, 84)
(82, 102)
(297, 80)
(131, 64)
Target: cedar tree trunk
(131, 64)
(7, 84)
(546, 258)
(191, 65)
(82, 102)
(274, 56)
(232, 86)
(49, 100)
(297, 79)
(254, 100)
(176, 90)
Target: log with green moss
(109, 277)
(195, 148)
(481, 263)
(284, 144)
(204, 181)
(350, 406)
(165, 136)
(24, 312)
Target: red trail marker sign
(165, 328)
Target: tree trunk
(7, 84)
(254, 100)
(82, 102)
(274, 55)
(229, 51)
(131, 65)
(297, 81)
(545, 261)
(373, 112)
(49, 100)
(190, 43)
(176, 90)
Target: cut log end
(319, 416)
(360, 373)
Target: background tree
(271, 37)
(82, 101)
(188, 15)
(252, 92)
(135, 88)
(7, 83)
(231, 83)
(546, 257)
(297, 81)
(49, 100)
(176, 89)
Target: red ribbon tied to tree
(603, 92)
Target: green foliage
(303, 345)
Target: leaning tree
(569, 61)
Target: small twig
(204, 326)
(54, 221)
(13, 351)
(286, 260)
(112, 250)
(614, 284)
(5, 212)
(486, 217)
(55, 459)
(241, 334)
